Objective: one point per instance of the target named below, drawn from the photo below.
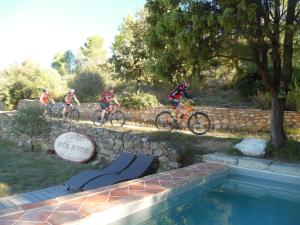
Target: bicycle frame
(188, 110)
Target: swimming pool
(237, 197)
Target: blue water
(236, 200)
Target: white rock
(252, 147)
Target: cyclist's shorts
(67, 104)
(174, 102)
(104, 105)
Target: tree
(91, 54)
(130, 53)
(30, 121)
(186, 35)
(64, 63)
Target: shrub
(249, 82)
(139, 101)
(263, 100)
(29, 120)
(293, 99)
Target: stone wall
(222, 118)
(2, 106)
(108, 143)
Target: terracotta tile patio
(79, 208)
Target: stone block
(221, 158)
(254, 163)
(285, 168)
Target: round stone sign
(74, 147)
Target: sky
(38, 29)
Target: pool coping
(108, 203)
(267, 165)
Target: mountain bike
(71, 113)
(198, 122)
(116, 117)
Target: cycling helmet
(45, 90)
(187, 84)
(72, 91)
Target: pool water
(232, 200)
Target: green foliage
(88, 86)
(130, 53)
(91, 55)
(263, 100)
(64, 63)
(139, 101)
(27, 80)
(289, 152)
(30, 121)
(248, 81)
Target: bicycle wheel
(199, 123)
(117, 118)
(74, 115)
(96, 118)
(164, 121)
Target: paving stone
(6, 203)
(254, 163)
(285, 168)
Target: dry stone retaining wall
(108, 143)
(222, 118)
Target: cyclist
(46, 97)
(106, 102)
(68, 100)
(176, 95)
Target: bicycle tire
(74, 115)
(96, 118)
(117, 118)
(202, 122)
(164, 121)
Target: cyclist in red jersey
(45, 98)
(68, 100)
(106, 102)
(176, 95)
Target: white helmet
(71, 91)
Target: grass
(27, 171)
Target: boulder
(252, 147)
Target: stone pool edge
(90, 206)
(273, 166)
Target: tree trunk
(138, 86)
(278, 136)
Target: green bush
(29, 120)
(249, 82)
(139, 101)
(263, 100)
